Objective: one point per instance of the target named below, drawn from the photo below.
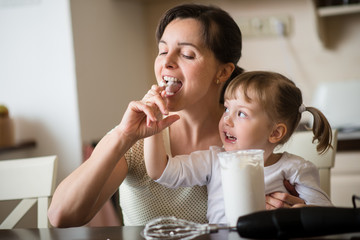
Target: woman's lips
(172, 84)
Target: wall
(68, 71)
(37, 79)
(110, 53)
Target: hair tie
(302, 108)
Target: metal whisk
(174, 228)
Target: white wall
(110, 52)
(37, 77)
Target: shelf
(339, 10)
(348, 145)
(19, 146)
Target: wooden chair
(301, 144)
(30, 180)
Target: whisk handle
(299, 222)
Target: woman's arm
(81, 195)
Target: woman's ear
(278, 133)
(225, 72)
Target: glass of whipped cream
(242, 175)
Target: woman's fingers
(282, 200)
(142, 108)
(152, 113)
(155, 95)
(274, 202)
(164, 123)
(144, 118)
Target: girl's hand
(144, 118)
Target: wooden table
(114, 233)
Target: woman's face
(244, 125)
(184, 59)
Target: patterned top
(142, 199)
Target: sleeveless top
(142, 199)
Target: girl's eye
(162, 53)
(226, 109)
(241, 114)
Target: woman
(199, 47)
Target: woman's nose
(170, 61)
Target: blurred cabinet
(327, 8)
(21, 149)
(345, 178)
(332, 8)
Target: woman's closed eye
(187, 56)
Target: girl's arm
(155, 156)
(154, 148)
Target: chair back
(301, 144)
(31, 180)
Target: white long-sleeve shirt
(203, 168)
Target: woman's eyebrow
(188, 44)
(182, 44)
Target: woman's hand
(284, 200)
(144, 118)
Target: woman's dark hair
(221, 33)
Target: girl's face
(244, 125)
(184, 58)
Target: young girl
(262, 110)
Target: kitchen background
(68, 68)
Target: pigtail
(321, 130)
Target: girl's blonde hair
(281, 100)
